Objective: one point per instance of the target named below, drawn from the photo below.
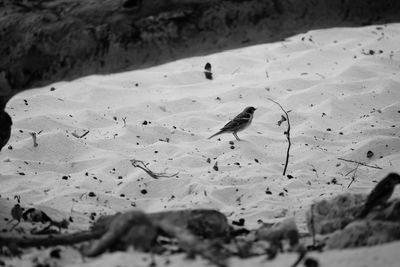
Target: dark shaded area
(52, 40)
(5, 128)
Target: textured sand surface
(342, 86)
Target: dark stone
(365, 233)
(331, 215)
(339, 217)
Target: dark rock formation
(285, 229)
(339, 217)
(328, 216)
(365, 233)
(52, 40)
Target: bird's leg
(237, 137)
(15, 225)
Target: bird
(380, 194)
(5, 128)
(237, 124)
(16, 213)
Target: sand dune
(341, 86)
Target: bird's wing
(242, 118)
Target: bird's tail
(220, 132)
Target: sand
(341, 86)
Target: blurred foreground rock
(365, 233)
(338, 217)
(202, 232)
(284, 230)
(331, 215)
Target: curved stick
(287, 133)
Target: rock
(364, 233)
(331, 215)
(338, 217)
(133, 228)
(202, 222)
(284, 230)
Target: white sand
(325, 80)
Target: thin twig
(302, 253)
(352, 170)
(124, 120)
(51, 240)
(354, 175)
(314, 170)
(83, 135)
(361, 163)
(140, 164)
(287, 133)
(320, 75)
(236, 70)
(33, 134)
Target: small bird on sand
(16, 213)
(237, 124)
(5, 128)
(380, 194)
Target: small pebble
(143, 191)
(55, 253)
(215, 167)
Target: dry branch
(287, 133)
(83, 135)
(124, 120)
(33, 134)
(353, 178)
(140, 164)
(51, 240)
(361, 163)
